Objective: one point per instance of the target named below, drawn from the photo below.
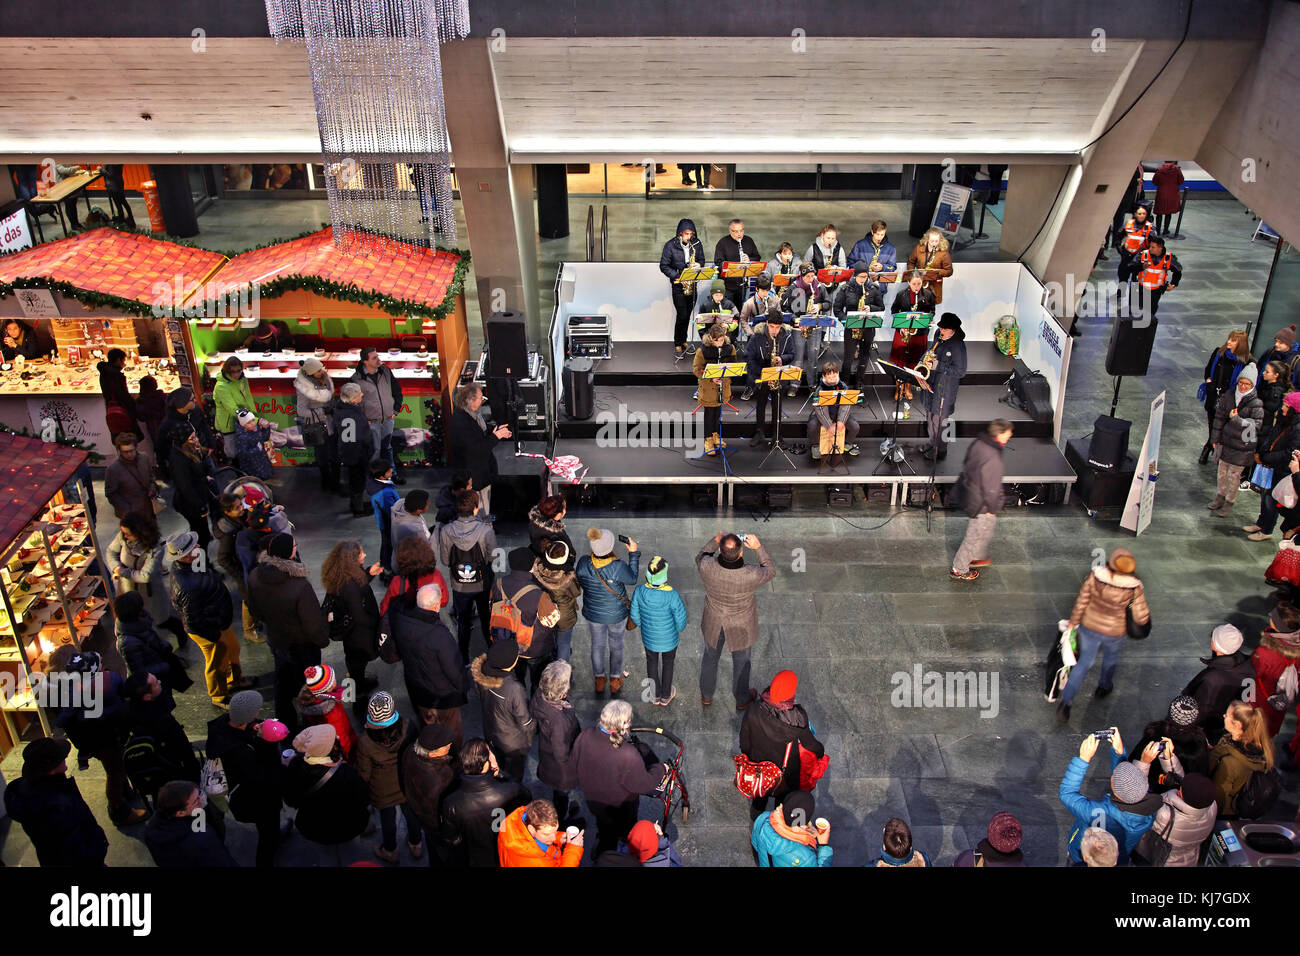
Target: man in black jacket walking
(472, 813)
(981, 498)
(354, 444)
(1228, 672)
(203, 603)
(470, 442)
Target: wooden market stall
(82, 296)
(411, 307)
(51, 573)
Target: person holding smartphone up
(730, 610)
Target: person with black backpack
(156, 749)
(350, 609)
(466, 546)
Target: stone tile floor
(875, 601)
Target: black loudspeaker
(579, 396)
(1109, 443)
(926, 186)
(1129, 352)
(507, 345)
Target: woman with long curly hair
(353, 615)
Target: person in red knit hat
(319, 702)
(777, 729)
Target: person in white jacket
(315, 402)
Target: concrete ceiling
(828, 100)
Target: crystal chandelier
(376, 74)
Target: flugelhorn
(923, 367)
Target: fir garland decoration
(94, 456)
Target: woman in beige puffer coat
(1100, 612)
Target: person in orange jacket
(530, 837)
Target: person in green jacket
(231, 394)
(660, 613)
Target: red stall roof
(421, 276)
(31, 472)
(114, 263)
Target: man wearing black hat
(774, 347)
(49, 805)
(947, 368)
(427, 775)
(862, 293)
(507, 723)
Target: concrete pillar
(497, 197)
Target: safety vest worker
(1154, 273)
(1135, 235)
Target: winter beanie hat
(1292, 401)
(1122, 561)
(797, 808)
(246, 417)
(382, 711)
(1197, 791)
(320, 679)
(316, 742)
(784, 685)
(602, 542)
(1286, 335)
(501, 658)
(180, 397)
(313, 365)
(1183, 711)
(643, 840)
(656, 573)
(280, 546)
(1250, 373)
(245, 706)
(1128, 783)
(556, 557)
(717, 285)
(1226, 639)
(1005, 832)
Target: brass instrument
(928, 362)
(862, 307)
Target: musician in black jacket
(736, 247)
(773, 347)
(683, 250)
(862, 293)
(947, 368)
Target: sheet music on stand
(697, 274)
(912, 320)
(814, 320)
(833, 274)
(833, 441)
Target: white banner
(950, 208)
(1142, 493)
(14, 234)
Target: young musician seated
(786, 262)
(758, 305)
(909, 344)
(715, 349)
(831, 427)
(717, 301)
(807, 297)
(862, 293)
(772, 347)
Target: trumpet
(928, 362)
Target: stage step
(661, 414)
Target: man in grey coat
(730, 610)
(981, 498)
(381, 400)
(128, 482)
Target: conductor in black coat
(470, 442)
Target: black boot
(1205, 453)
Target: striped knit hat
(1183, 711)
(382, 711)
(656, 573)
(320, 679)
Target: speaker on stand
(579, 394)
(507, 345)
(1129, 351)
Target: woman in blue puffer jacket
(660, 612)
(604, 580)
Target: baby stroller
(674, 793)
(229, 480)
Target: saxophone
(805, 330)
(688, 288)
(875, 258)
(862, 307)
(928, 361)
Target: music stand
(892, 451)
(838, 396)
(856, 322)
(719, 371)
(743, 270)
(703, 321)
(832, 275)
(819, 320)
(772, 377)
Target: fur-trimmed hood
(295, 569)
(1286, 644)
(546, 524)
(483, 680)
(1106, 576)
